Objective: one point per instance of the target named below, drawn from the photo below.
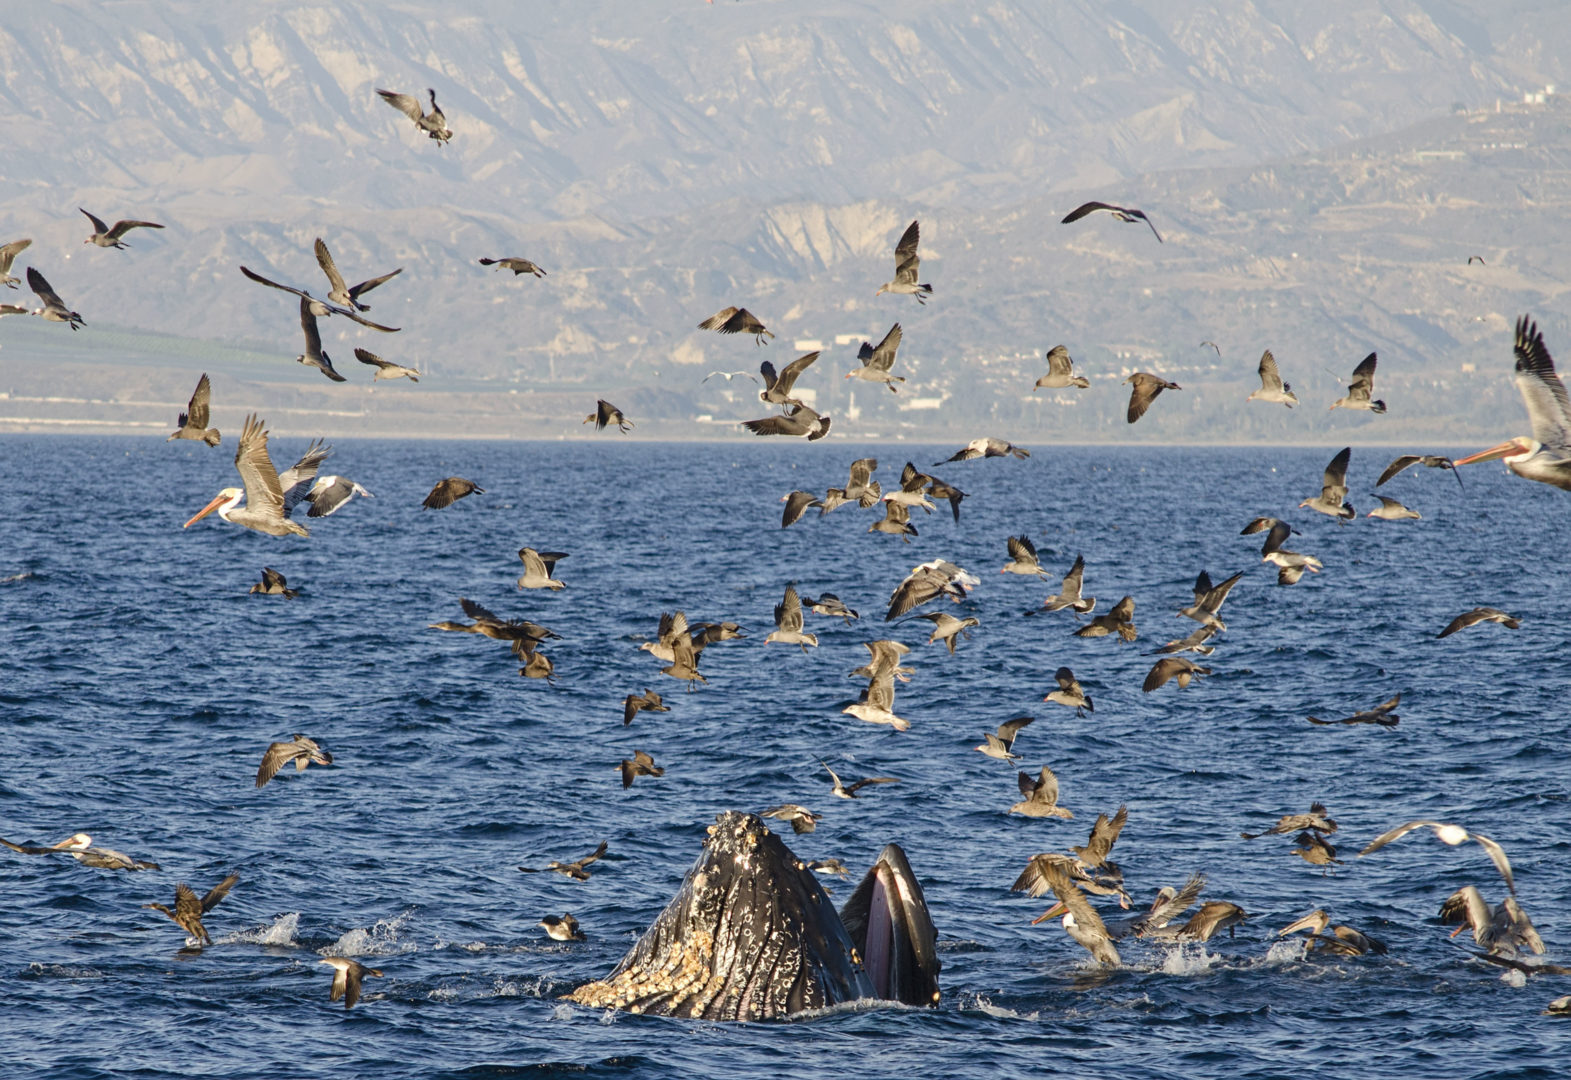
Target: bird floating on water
(106, 237)
(193, 422)
(1122, 213)
(1546, 456)
(1341, 941)
(907, 268)
(433, 123)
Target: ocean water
(140, 683)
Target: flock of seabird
(268, 499)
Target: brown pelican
(188, 910)
(927, 582)
(1069, 595)
(329, 493)
(1173, 667)
(777, 387)
(788, 622)
(193, 422)
(433, 123)
(907, 264)
(561, 929)
(985, 447)
(80, 847)
(1041, 796)
(1314, 849)
(575, 869)
(1022, 557)
(274, 584)
(317, 308)
(1381, 714)
(538, 568)
(1070, 693)
(1059, 372)
(1209, 599)
(313, 355)
(449, 491)
(386, 369)
(1505, 930)
(1343, 940)
(876, 362)
(347, 974)
(829, 604)
(606, 413)
(1001, 745)
(896, 522)
(299, 749)
(1333, 489)
(1546, 457)
(1392, 510)
(488, 624)
(1316, 821)
(735, 320)
(1290, 564)
(1195, 642)
(105, 237)
(885, 660)
(1361, 389)
(1453, 835)
(801, 818)
(269, 498)
(861, 488)
(1480, 615)
(1213, 916)
(1272, 388)
(800, 420)
(1169, 904)
(1407, 461)
(641, 764)
(947, 628)
(849, 791)
(8, 255)
(54, 309)
(1081, 921)
(1146, 388)
(338, 292)
(1117, 621)
(516, 265)
(648, 701)
(877, 704)
(1122, 213)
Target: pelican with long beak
(269, 498)
(1546, 456)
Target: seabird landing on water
(876, 362)
(193, 422)
(105, 237)
(299, 749)
(348, 295)
(1502, 931)
(1146, 389)
(1001, 745)
(1272, 388)
(1546, 456)
(735, 320)
(273, 584)
(447, 492)
(1060, 368)
(1070, 693)
(575, 869)
(1341, 941)
(1041, 796)
(907, 268)
(564, 928)
(1361, 389)
(1480, 615)
(188, 910)
(433, 123)
(516, 265)
(347, 974)
(1122, 213)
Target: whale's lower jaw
(890, 928)
(750, 935)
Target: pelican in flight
(1060, 372)
(1081, 921)
(1546, 456)
(106, 237)
(1272, 388)
(1503, 931)
(907, 267)
(269, 498)
(1453, 835)
(80, 847)
(1333, 489)
(433, 123)
(1146, 388)
(1122, 213)
(193, 422)
(1361, 390)
(876, 361)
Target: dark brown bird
(1122, 213)
(606, 413)
(105, 237)
(193, 422)
(274, 584)
(1480, 615)
(450, 491)
(1173, 667)
(516, 265)
(735, 320)
(797, 504)
(575, 869)
(299, 749)
(1315, 821)
(640, 765)
(338, 291)
(347, 974)
(1146, 388)
(188, 910)
(1314, 849)
(1381, 714)
(777, 387)
(1407, 461)
(648, 701)
(1120, 621)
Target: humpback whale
(751, 935)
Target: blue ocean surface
(140, 684)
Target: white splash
(1185, 960)
(281, 932)
(1284, 952)
(982, 1004)
(382, 939)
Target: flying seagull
(1272, 388)
(799, 421)
(347, 974)
(318, 308)
(446, 492)
(1392, 510)
(735, 320)
(538, 568)
(1173, 667)
(298, 749)
(273, 584)
(1209, 599)
(1070, 693)
(386, 369)
(1001, 745)
(777, 387)
(516, 265)
(648, 701)
(1383, 714)
(1453, 835)
(193, 422)
(104, 236)
(575, 869)
(340, 293)
(1146, 388)
(1480, 615)
(1069, 595)
(1333, 488)
(876, 362)
(797, 504)
(8, 254)
(984, 448)
(1060, 372)
(1361, 389)
(1041, 796)
(1122, 213)
(606, 413)
(313, 355)
(54, 309)
(907, 263)
(433, 123)
(849, 791)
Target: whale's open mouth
(888, 922)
